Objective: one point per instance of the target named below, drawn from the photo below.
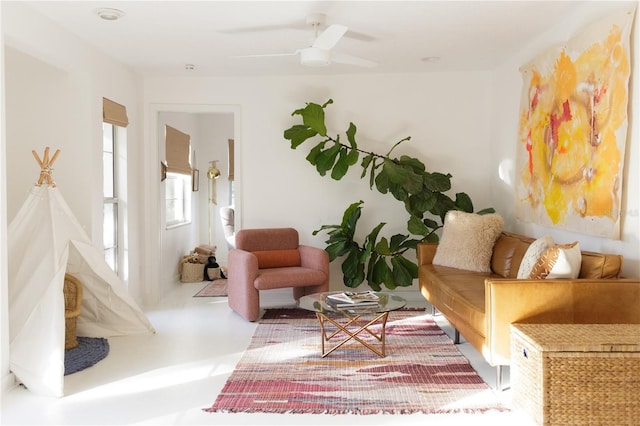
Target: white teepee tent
(45, 241)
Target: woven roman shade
(178, 147)
(231, 160)
(114, 113)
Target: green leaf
(416, 165)
(352, 157)
(299, 133)
(398, 192)
(487, 210)
(313, 154)
(394, 172)
(430, 223)
(365, 164)
(350, 218)
(403, 271)
(382, 247)
(372, 175)
(410, 244)
(381, 273)
(432, 238)
(326, 159)
(336, 250)
(463, 202)
(413, 182)
(352, 270)
(437, 182)
(351, 135)
(342, 165)
(370, 240)
(313, 117)
(420, 203)
(396, 240)
(382, 182)
(416, 227)
(329, 102)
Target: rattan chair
(72, 304)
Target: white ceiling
(161, 37)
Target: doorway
(210, 127)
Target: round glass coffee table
(350, 321)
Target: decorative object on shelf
(423, 193)
(573, 131)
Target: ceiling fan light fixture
(109, 14)
(315, 57)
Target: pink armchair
(272, 258)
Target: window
(177, 199)
(114, 187)
(177, 193)
(109, 190)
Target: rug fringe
(483, 410)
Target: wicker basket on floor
(72, 303)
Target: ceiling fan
(320, 52)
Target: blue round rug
(89, 351)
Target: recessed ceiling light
(430, 59)
(109, 14)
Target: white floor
(169, 377)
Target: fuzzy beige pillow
(467, 240)
(559, 261)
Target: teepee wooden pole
(46, 166)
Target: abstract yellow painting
(573, 131)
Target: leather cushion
(277, 258)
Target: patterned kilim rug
(216, 288)
(283, 371)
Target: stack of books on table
(352, 299)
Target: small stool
(72, 303)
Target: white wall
(445, 114)
(54, 87)
(6, 378)
(508, 85)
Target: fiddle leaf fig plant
(377, 260)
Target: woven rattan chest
(576, 374)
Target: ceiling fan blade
(329, 37)
(343, 58)
(267, 55)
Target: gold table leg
(380, 319)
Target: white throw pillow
(533, 253)
(560, 261)
(467, 240)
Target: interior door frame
(151, 292)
